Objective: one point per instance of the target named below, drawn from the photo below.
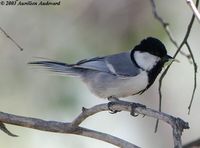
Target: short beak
(168, 60)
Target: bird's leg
(113, 101)
(134, 106)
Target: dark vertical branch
(165, 25)
(195, 76)
(5, 130)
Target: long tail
(58, 67)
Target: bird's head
(149, 53)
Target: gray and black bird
(118, 75)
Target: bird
(118, 75)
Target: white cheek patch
(146, 60)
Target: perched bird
(118, 75)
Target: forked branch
(184, 42)
(74, 127)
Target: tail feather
(58, 67)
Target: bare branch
(193, 144)
(9, 37)
(5, 130)
(163, 23)
(166, 28)
(176, 53)
(73, 127)
(180, 47)
(86, 113)
(194, 9)
(62, 127)
(195, 76)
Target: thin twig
(73, 127)
(194, 9)
(9, 37)
(166, 28)
(176, 53)
(5, 130)
(193, 144)
(163, 23)
(170, 35)
(195, 76)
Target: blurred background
(82, 29)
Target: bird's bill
(168, 60)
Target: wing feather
(117, 64)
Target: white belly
(105, 85)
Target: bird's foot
(113, 101)
(134, 106)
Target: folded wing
(117, 64)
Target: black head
(152, 46)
